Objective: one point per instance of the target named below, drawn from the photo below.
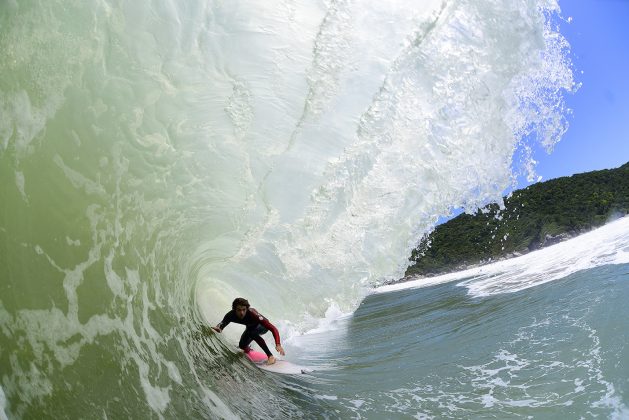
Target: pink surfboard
(256, 356)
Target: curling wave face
(159, 159)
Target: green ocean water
(159, 159)
(554, 350)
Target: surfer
(255, 325)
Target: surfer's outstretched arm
(226, 320)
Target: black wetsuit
(256, 325)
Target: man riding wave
(255, 326)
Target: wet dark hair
(240, 302)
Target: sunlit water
(159, 159)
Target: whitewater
(159, 159)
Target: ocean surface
(159, 159)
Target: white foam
(220, 409)
(157, 397)
(326, 397)
(357, 403)
(3, 405)
(333, 320)
(19, 181)
(606, 245)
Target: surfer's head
(240, 306)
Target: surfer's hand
(217, 329)
(280, 350)
(271, 360)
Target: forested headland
(539, 215)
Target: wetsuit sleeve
(267, 324)
(226, 320)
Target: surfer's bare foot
(271, 360)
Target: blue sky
(598, 136)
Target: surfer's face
(241, 311)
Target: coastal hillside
(533, 217)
